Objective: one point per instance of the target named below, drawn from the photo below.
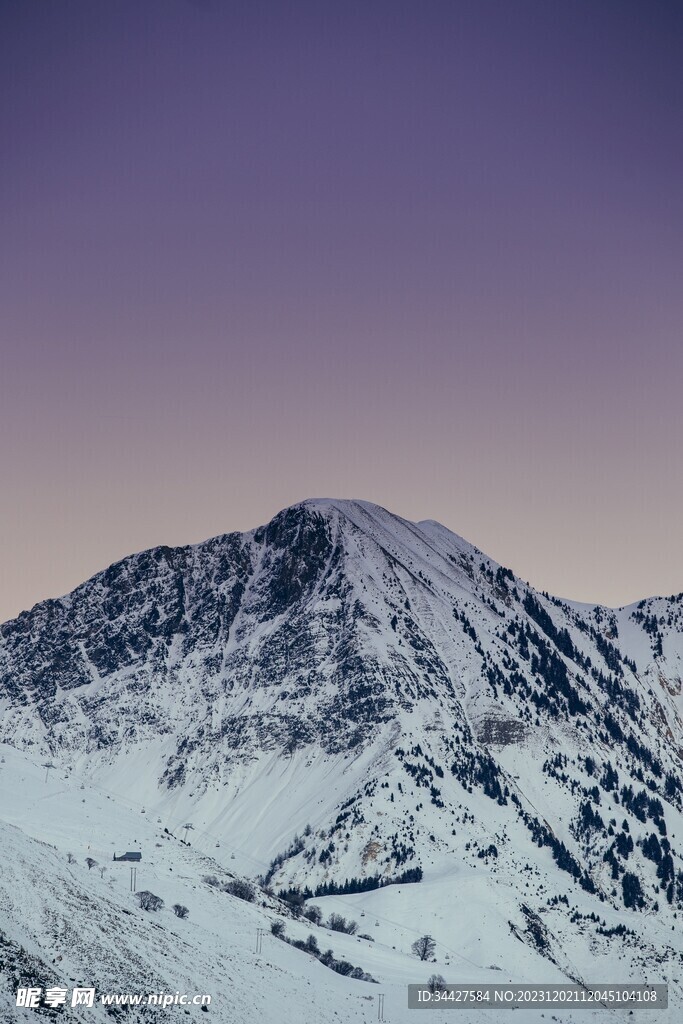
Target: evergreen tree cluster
(609, 652)
(560, 637)
(651, 624)
(349, 886)
(589, 820)
(552, 670)
(643, 806)
(295, 847)
(479, 769)
(622, 695)
(632, 891)
(610, 778)
(564, 859)
(619, 929)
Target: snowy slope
(63, 924)
(88, 930)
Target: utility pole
(133, 879)
(380, 1006)
(259, 939)
(47, 770)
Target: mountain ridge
(341, 505)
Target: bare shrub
(148, 901)
(242, 889)
(337, 923)
(313, 914)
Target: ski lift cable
(216, 839)
(262, 864)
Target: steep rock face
(272, 625)
(483, 718)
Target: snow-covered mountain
(343, 699)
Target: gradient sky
(424, 253)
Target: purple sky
(428, 254)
